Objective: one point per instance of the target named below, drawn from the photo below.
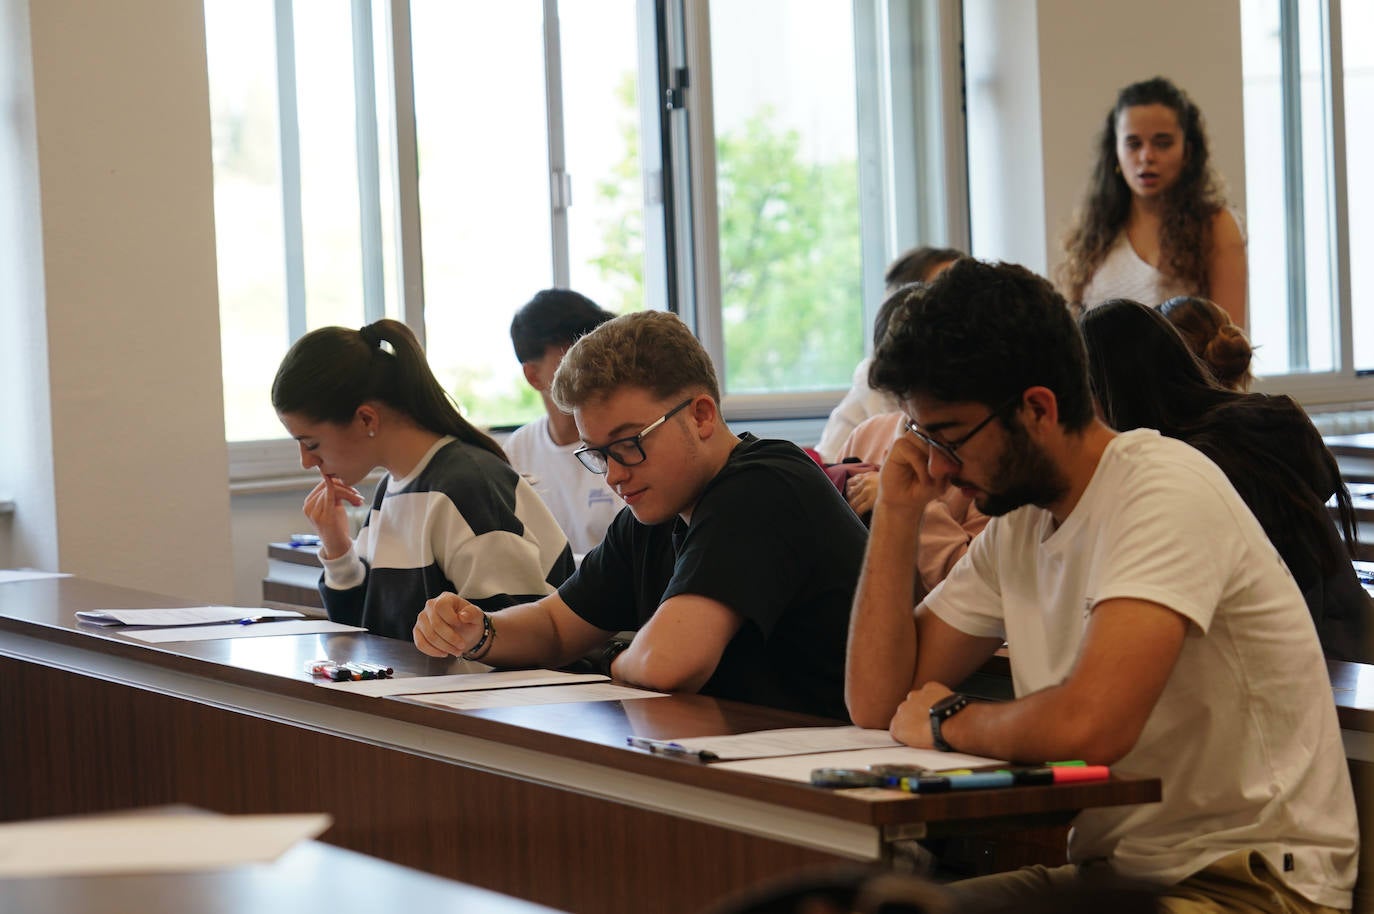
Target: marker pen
(1085, 773)
(925, 784)
(981, 779)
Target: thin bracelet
(483, 645)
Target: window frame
(914, 131)
(1343, 387)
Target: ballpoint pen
(669, 749)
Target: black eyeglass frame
(588, 455)
(949, 449)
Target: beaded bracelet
(483, 645)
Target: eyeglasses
(948, 449)
(627, 452)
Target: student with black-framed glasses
(735, 559)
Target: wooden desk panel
(309, 877)
(543, 802)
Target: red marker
(1084, 773)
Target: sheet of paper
(183, 615)
(798, 767)
(104, 845)
(233, 630)
(462, 682)
(796, 741)
(539, 695)
(12, 575)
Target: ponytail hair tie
(371, 337)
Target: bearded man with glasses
(1150, 623)
(735, 558)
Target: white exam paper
(799, 767)
(234, 630)
(182, 615)
(103, 845)
(538, 695)
(14, 575)
(795, 741)
(462, 682)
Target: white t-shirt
(1244, 736)
(581, 501)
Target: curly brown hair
(1185, 237)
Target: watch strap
(942, 711)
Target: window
(441, 161)
(1308, 68)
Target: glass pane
(329, 163)
(601, 140)
(1267, 220)
(484, 193)
(1321, 304)
(787, 186)
(241, 57)
(1357, 46)
(251, 242)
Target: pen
(669, 749)
(252, 619)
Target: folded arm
(1096, 714)
(680, 646)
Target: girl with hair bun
(1144, 376)
(450, 515)
(1154, 223)
(1208, 331)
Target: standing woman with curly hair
(1154, 223)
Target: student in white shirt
(542, 331)
(1149, 622)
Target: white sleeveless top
(1122, 274)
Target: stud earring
(372, 433)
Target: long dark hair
(1185, 237)
(332, 371)
(1145, 376)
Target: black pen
(670, 749)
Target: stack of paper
(211, 623)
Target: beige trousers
(1239, 883)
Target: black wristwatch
(613, 649)
(942, 711)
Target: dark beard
(1025, 475)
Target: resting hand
(911, 723)
(324, 508)
(861, 491)
(448, 626)
(905, 482)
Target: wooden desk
(292, 576)
(310, 877)
(1355, 456)
(545, 803)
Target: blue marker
(981, 779)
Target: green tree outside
(791, 271)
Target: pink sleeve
(873, 438)
(950, 523)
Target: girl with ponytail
(450, 515)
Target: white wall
(120, 276)
(1061, 63)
